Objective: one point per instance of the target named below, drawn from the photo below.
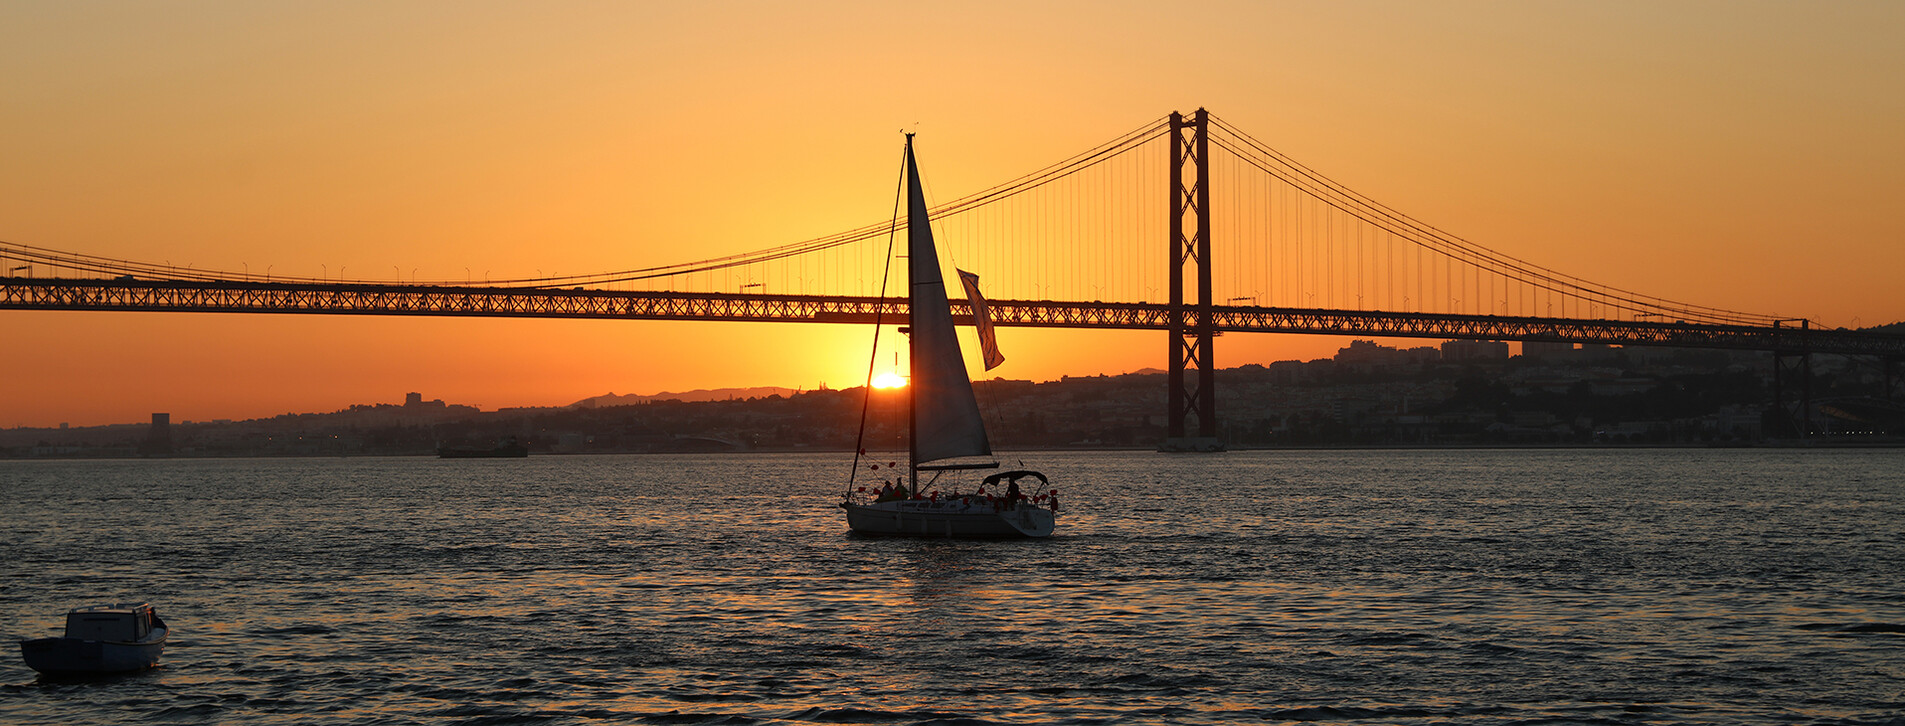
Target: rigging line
(1495, 262)
(1350, 194)
(1331, 279)
(81, 262)
(1021, 185)
(1236, 263)
(1473, 256)
(1263, 228)
(1452, 239)
(1096, 214)
(866, 399)
(1115, 148)
(1319, 195)
(1422, 237)
(1106, 152)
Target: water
(1395, 587)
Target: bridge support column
(1192, 331)
(1792, 421)
(1890, 364)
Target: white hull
(74, 656)
(920, 518)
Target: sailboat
(946, 431)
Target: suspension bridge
(1185, 225)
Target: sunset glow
(1733, 155)
(889, 380)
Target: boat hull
(917, 518)
(69, 656)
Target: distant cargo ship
(508, 448)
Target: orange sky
(1737, 154)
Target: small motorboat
(114, 638)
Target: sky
(1743, 155)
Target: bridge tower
(1890, 363)
(1191, 330)
(1792, 420)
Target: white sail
(946, 420)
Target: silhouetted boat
(944, 423)
(507, 448)
(101, 639)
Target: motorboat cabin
(101, 639)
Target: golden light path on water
(1664, 586)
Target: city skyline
(1355, 352)
(1736, 155)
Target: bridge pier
(1193, 332)
(1796, 422)
(1890, 365)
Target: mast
(912, 340)
(945, 421)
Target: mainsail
(946, 420)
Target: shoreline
(1764, 445)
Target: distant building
(1366, 355)
(1459, 351)
(159, 437)
(1542, 350)
(414, 401)
(1598, 352)
(1295, 372)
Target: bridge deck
(431, 300)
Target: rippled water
(1659, 586)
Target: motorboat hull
(920, 518)
(70, 656)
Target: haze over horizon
(699, 394)
(1743, 155)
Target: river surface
(1374, 587)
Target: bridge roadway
(375, 299)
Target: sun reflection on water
(1277, 585)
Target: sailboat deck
(956, 518)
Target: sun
(889, 380)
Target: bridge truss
(181, 296)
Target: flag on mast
(981, 320)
